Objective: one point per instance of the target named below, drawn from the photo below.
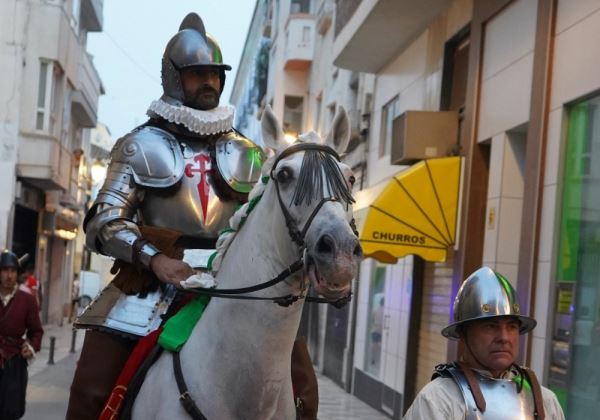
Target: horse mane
(236, 221)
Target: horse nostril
(325, 244)
(358, 250)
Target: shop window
(375, 321)
(574, 370)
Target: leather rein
(297, 237)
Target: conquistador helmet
(486, 294)
(190, 47)
(9, 259)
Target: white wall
(505, 204)
(507, 71)
(404, 76)
(12, 14)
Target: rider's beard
(204, 98)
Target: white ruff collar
(214, 121)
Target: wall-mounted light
(290, 137)
(98, 171)
(69, 235)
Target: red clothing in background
(20, 316)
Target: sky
(128, 52)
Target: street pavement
(48, 390)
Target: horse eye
(352, 180)
(284, 175)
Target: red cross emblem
(203, 168)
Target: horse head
(314, 193)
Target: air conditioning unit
(418, 135)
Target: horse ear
(339, 135)
(272, 134)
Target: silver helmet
(190, 47)
(486, 294)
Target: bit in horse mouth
(310, 268)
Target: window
(305, 34)
(44, 92)
(375, 321)
(300, 6)
(49, 105)
(575, 341)
(388, 113)
(293, 114)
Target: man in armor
(172, 185)
(486, 383)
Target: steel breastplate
(192, 205)
(501, 396)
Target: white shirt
(442, 399)
(6, 299)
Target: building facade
(50, 91)
(519, 78)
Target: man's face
(492, 344)
(8, 277)
(202, 87)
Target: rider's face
(492, 344)
(202, 86)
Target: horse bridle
(297, 237)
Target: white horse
(237, 362)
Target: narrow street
(48, 390)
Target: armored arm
(109, 225)
(148, 157)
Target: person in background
(19, 318)
(486, 382)
(31, 284)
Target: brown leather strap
(539, 413)
(473, 385)
(185, 399)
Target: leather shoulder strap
(539, 413)
(473, 385)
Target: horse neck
(262, 250)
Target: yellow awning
(415, 213)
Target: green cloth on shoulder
(179, 327)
